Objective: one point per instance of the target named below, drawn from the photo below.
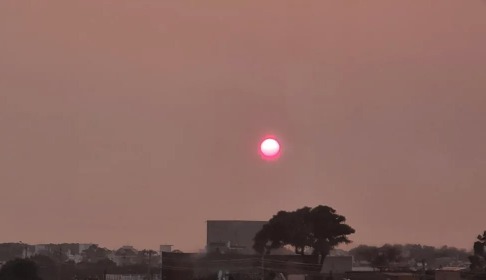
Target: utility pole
(263, 265)
(60, 263)
(149, 264)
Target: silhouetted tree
(414, 252)
(319, 228)
(98, 269)
(364, 253)
(19, 269)
(270, 275)
(95, 254)
(478, 258)
(393, 253)
(380, 261)
(148, 257)
(10, 251)
(47, 267)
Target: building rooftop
(451, 268)
(399, 273)
(363, 268)
(229, 221)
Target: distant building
(41, 249)
(361, 275)
(337, 264)
(402, 276)
(75, 258)
(449, 273)
(130, 277)
(296, 277)
(72, 251)
(364, 269)
(442, 262)
(67, 248)
(233, 235)
(166, 248)
(237, 265)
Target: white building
(166, 248)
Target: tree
(365, 253)
(47, 267)
(95, 254)
(477, 260)
(319, 229)
(9, 251)
(392, 253)
(328, 230)
(19, 269)
(480, 244)
(380, 261)
(147, 258)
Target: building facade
(337, 264)
(228, 235)
(449, 273)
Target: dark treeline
(395, 254)
(53, 262)
(9, 251)
(44, 267)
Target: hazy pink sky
(133, 122)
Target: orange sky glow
(134, 122)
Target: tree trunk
(323, 258)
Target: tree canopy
(393, 254)
(19, 269)
(95, 254)
(478, 259)
(317, 229)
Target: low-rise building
(232, 235)
(401, 276)
(449, 273)
(375, 275)
(337, 264)
(165, 248)
(130, 277)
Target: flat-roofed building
(449, 273)
(228, 235)
(337, 264)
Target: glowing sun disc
(270, 147)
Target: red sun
(270, 148)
